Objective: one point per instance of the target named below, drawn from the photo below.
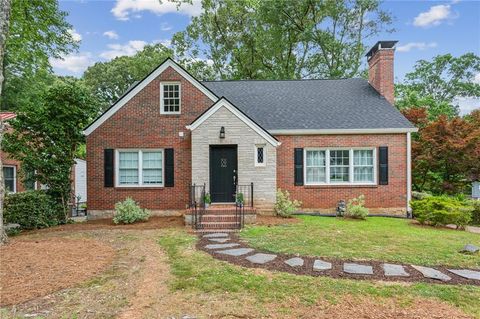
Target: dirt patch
(34, 268)
(155, 222)
(278, 264)
(274, 220)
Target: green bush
(284, 206)
(356, 208)
(32, 210)
(128, 212)
(420, 195)
(476, 211)
(442, 210)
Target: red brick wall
(7, 161)
(380, 73)
(138, 124)
(389, 196)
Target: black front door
(223, 173)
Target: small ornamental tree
(45, 136)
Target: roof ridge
(279, 80)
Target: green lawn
(197, 272)
(378, 238)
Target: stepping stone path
(235, 252)
(470, 249)
(465, 273)
(390, 270)
(219, 240)
(358, 269)
(320, 265)
(215, 235)
(431, 273)
(220, 246)
(261, 258)
(294, 262)
(394, 270)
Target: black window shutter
(383, 165)
(169, 168)
(298, 161)
(108, 167)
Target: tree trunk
(5, 7)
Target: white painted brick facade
(240, 134)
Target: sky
(107, 29)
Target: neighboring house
(476, 190)
(322, 140)
(16, 182)
(11, 167)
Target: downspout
(409, 174)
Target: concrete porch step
(219, 218)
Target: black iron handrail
(246, 192)
(197, 204)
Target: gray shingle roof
(311, 104)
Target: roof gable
(136, 88)
(223, 102)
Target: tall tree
(282, 39)
(440, 81)
(5, 7)
(38, 31)
(46, 135)
(109, 80)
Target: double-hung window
(139, 168)
(316, 166)
(170, 101)
(339, 166)
(363, 166)
(10, 178)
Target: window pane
(339, 157)
(363, 174)
(339, 174)
(260, 155)
(315, 158)
(128, 167)
(362, 157)
(315, 174)
(9, 177)
(316, 167)
(152, 167)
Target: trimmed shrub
(128, 212)
(442, 210)
(475, 212)
(356, 208)
(284, 206)
(32, 210)
(420, 195)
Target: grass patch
(377, 238)
(197, 271)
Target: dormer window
(170, 101)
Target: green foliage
(475, 212)
(356, 208)
(420, 195)
(239, 199)
(207, 199)
(284, 206)
(32, 210)
(283, 39)
(46, 135)
(38, 31)
(128, 212)
(442, 210)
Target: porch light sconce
(222, 132)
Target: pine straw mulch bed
(34, 268)
(278, 264)
(155, 222)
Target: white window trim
(14, 177)
(162, 109)
(140, 167)
(257, 164)
(350, 162)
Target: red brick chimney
(380, 68)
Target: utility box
(476, 190)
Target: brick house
(322, 140)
